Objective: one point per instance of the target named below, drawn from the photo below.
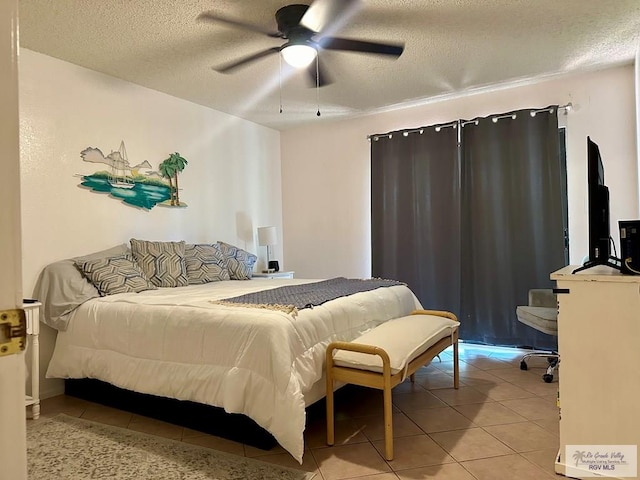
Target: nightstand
(260, 275)
(32, 313)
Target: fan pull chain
(318, 83)
(280, 79)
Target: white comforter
(174, 342)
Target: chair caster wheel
(523, 365)
(548, 378)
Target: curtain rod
(420, 130)
(566, 107)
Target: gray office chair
(541, 314)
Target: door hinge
(13, 331)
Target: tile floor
(502, 423)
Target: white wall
(231, 184)
(326, 170)
(637, 65)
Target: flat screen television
(598, 212)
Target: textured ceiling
(450, 46)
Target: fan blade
(323, 13)
(212, 17)
(335, 43)
(229, 67)
(325, 78)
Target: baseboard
(53, 391)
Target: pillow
(205, 263)
(239, 262)
(113, 275)
(161, 262)
(61, 288)
(109, 252)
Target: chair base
(552, 358)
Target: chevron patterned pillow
(239, 262)
(205, 263)
(162, 262)
(120, 274)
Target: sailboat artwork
(119, 177)
(137, 185)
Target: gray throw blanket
(292, 298)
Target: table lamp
(268, 236)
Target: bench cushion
(403, 339)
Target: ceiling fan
(306, 30)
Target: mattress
(177, 343)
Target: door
(13, 456)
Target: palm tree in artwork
(167, 170)
(178, 162)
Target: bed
(180, 343)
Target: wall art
(137, 185)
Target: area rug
(64, 447)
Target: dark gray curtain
(512, 223)
(415, 213)
(472, 227)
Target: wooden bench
(386, 355)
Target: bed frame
(196, 416)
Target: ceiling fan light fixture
(299, 55)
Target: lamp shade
(299, 55)
(267, 236)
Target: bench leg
(330, 423)
(412, 377)
(456, 371)
(388, 423)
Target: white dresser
(599, 346)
